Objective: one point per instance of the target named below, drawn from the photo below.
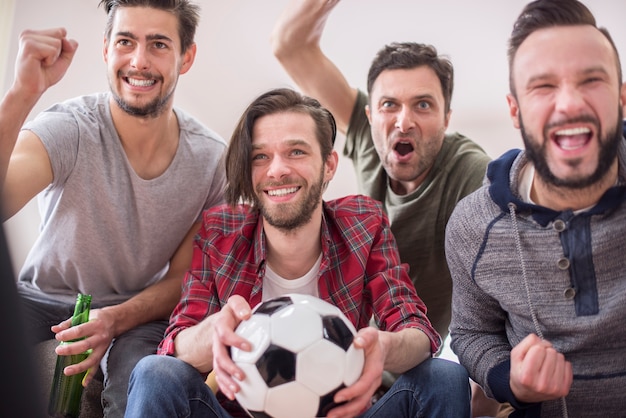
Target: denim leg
(164, 386)
(40, 315)
(434, 388)
(125, 351)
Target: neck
(291, 254)
(150, 143)
(563, 198)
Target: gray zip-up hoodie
(519, 268)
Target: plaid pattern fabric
(360, 270)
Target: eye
(591, 80)
(124, 42)
(160, 45)
(387, 104)
(423, 105)
(259, 157)
(542, 87)
(298, 152)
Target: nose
(404, 119)
(278, 168)
(139, 59)
(569, 100)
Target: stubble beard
(152, 109)
(292, 216)
(536, 153)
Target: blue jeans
(125, 350)
(164, 386)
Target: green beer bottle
(66, 391)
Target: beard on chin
(288, 217)
(152, 109)
(536, 153)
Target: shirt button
(559, 225)
(563, 263)
(569, 293)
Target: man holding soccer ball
(277, 236)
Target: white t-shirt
(274, 285)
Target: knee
(440, 370)
(449, 370)
(155, 368)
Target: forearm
(404, 349)
(296, 45)
(193, 345)
(154, 303)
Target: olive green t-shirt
(418, 219)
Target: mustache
(578, 119)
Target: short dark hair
(409, 55)
(238, 158)
(541, 14)
(187, 13)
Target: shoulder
(195, 131)
(224, 221)
(356, 207)
(460, 149)
(473, 211)
(93, 106)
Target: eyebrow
(587, 71)
(289, 142)
(151, 37)
(418, 97)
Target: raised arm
(296, 45)
(43, 58)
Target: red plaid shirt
(360, 271)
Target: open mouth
(403, 148)
(136, 82)
(572, 138)
(282, 192)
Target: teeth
(140, 83)
(573, 131)
(282, 192)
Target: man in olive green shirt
(396, 139)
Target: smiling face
(568, 105)
(144, 60)
(408, 122)
(288, 173)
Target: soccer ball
(302, 354)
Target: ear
(513, 110)
(188, 58)
(446, 120)
(105, 50)
(330, 167)
(623, 98)
(368, 114)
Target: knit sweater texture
(519, 268)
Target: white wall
(234, 62)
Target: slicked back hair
(238, 158)
(187, 13)
(541, 14)
(409, 55)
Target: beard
(151, 109)
(288, 217)
(536, 152)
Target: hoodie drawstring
(533, 314)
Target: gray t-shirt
(106, 231)
(418, 219)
